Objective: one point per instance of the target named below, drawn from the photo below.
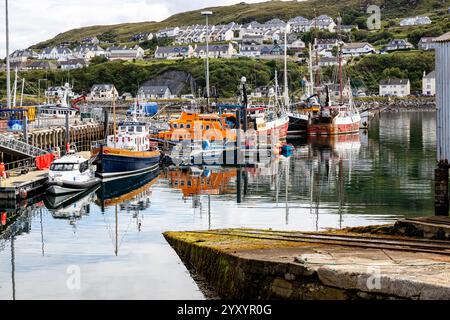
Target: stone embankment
(263, 265)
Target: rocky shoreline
(396, 105)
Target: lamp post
(207, 14)
(8, 64)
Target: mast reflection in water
(114, 234)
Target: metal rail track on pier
(375, 242)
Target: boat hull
(117, 163)
(277, 128)
(343, 126)
(298, 126)
(65, 187)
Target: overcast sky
(33, 21)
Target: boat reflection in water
(134, 189)
(194, 181)
(71, 206)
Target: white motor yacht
(70, 174)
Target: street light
(207, 14)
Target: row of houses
(86, 52)
(254, 50)
(237, 32)
(70, 64)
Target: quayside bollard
(443, 124)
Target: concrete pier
(236, 264)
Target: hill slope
(243, 13)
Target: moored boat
(71, 174)
(128, 152)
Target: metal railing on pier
(25, 164)
(20, 147)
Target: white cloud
(32, 21)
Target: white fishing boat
(71, 174)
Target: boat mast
(8, 64)
(15, 89)
(276, 87)
(340, 61)
(311, 76)
(316, 41)
(115, 117)
(286, 84)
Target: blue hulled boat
(128, 152)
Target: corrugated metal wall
(443, 99)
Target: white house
(394, 87)
(125, 53)
(358, 49)
(326, 44)
(415, 21)
(88, 52)
(399, 44)
(22, 56)
(72, 64)
(215, 51)
(429, 84)
(323, 22)
(174, 52)
(103, 92)
(427, 43)
(58, 93)
(168, 33)
(143, 36)
(300, 24)
(55, 53)
(296, 45)
(154, 92)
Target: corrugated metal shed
(443, 96)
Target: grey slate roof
(394, 81)
(154, 90)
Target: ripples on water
(113, 235)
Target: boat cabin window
(175, 125)
(188, 126)
(181, 126)
(139, 129)
(123, 129)
(62, 167)
(130, 129)
(84, 167)
(208, 127)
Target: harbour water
(108, 243)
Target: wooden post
(441, 189)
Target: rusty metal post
(441, 203)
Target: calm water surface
(112, 237)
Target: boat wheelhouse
(192, 126)
(127, 152)
(56, 111)
(71, 174)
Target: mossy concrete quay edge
(261, 269)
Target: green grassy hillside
(351, 10)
